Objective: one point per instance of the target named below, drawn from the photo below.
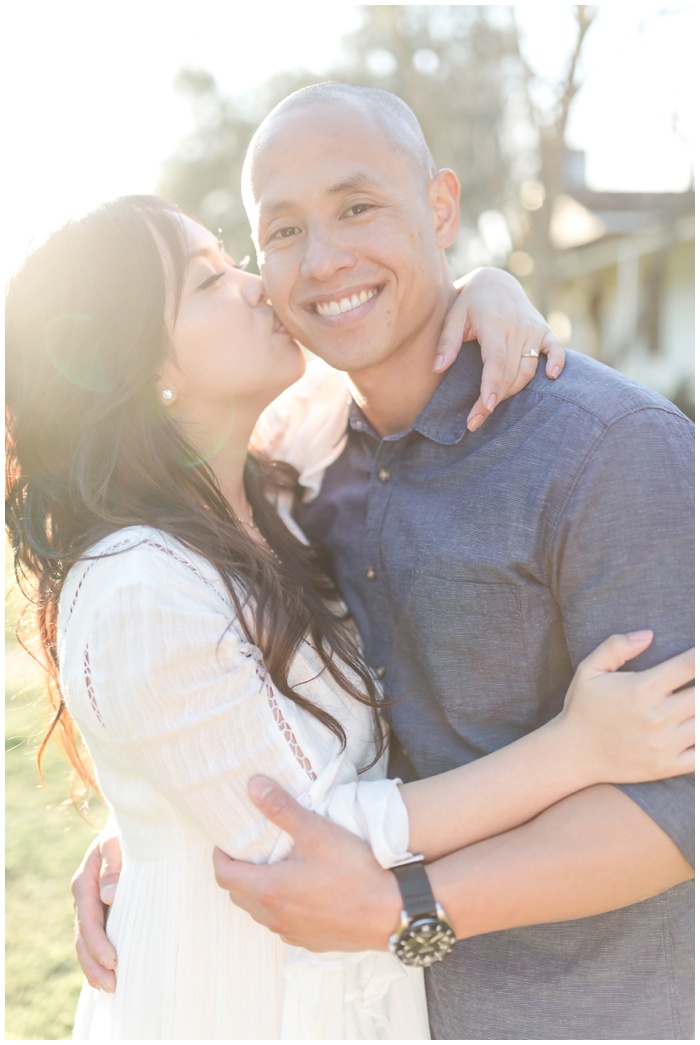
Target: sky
(90, 109)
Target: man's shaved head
(396, 121)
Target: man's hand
(330, 894)
(93, 886)
(493, 309)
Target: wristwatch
(423, 935)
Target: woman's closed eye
(210, 280)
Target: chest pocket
(472, 643)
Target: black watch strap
(416, 894)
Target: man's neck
(392, 394)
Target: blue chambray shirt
(481, 568)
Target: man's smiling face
(349, 228)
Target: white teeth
(334, 308)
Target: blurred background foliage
(45, 838)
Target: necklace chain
(249, 521)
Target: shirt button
(380, 672)
(371, 573)
(384, 475)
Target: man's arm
(593, 852)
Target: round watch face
(426, 940)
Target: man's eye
(286, 233)
(359, 208)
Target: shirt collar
(444, 418)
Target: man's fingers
(110, 868)
(94, 973)
(222, 861)
(278, 806)
(249, 886)
(91, 937)
(615, 652)
(232, 874)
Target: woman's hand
(631, 726)
(93, 886)
(493, 309)
(616, 727)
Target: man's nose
(324, 255)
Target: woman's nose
(252, 289)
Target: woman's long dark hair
(91, 449)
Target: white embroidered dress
(178, 713)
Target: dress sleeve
(306, 426)
(623, 557)
(181, 699)
(184, 701)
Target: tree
(462, 70)
(446, 61)
(549, 121)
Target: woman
(199, 641)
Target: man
(481, 568)
(567, 515)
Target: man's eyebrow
(360, 181)
(357, 182)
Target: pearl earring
(168, 395)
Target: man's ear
(444, 198)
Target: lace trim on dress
(277, 713)
(184, 561)
(91, 564)
(247, 650)
(286, 731)
(89, 686)
(77, 590)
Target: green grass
(45, 839)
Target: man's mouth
(347, 304)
